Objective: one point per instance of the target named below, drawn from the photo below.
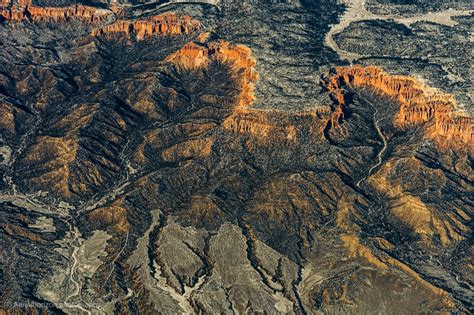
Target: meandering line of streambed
(357, 12)
(380, 154)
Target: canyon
(188, 157)
(418, 103)
(266, 125)
(195, 55)
(23, 10)
(169, 23)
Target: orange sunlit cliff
(23, 9)
(193, 56)
(418, 102)
(266, 125)
(168, 23)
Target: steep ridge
(182, 142)
(169, 23)
(23, 10)
(277, 125)
(197, 55)
(266, 125)
(418, 103)
(54, 155)
(430, 222)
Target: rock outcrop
(264, 125)
(269, 126)
(239, 57)
(54, 154)
(85, 13)
(418, 102)
(112, 216)
(166, 24)
(12, 11)
(56, 160)
(139, 174)
(7, 123)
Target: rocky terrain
(234, 157)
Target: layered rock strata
(239, 57)
(23, 10)
(276, 125)
(418, 102)
(266, 125)
(169, 23)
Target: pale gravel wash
(357, 12)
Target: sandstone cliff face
(88, 14)
(239, 57)
(156, 156)
(170, 24)
(418, 102)
(22, 10)
(12, 11)
(264, 125)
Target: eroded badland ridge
(23, 10)
(418, 103)
(149, 166)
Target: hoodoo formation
(168, 23)
(263, 124)
(197, 157)
(239, 57)
(23, 9)
(418, 102)
(268, 126)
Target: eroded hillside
(149, 165)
